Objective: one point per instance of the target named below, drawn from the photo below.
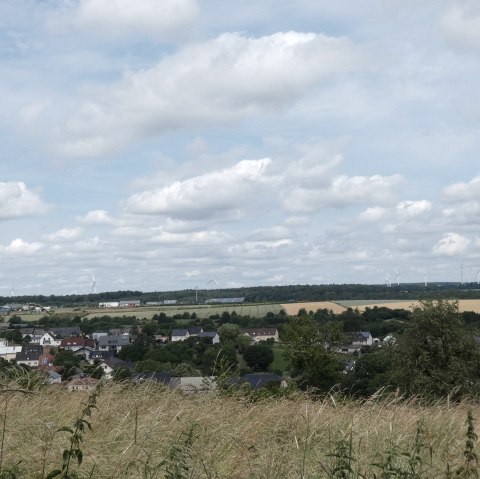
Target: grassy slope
(233, 437)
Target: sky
(160, 145)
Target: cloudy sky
(163, 144)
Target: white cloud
(64, 234)
(30, 112)
(16, 200)
(411, 209)
(372, 214)
(203, 196)
(220, 80)
(96, 217)
(464, 191)
(21, 247)
(451, 244)
(343, 191)
(157, 19)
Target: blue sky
(160, 144)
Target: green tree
(258, 356)
(436, 355)
(228, 332)
(313, 365)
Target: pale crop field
(293, 308)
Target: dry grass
(135, 428)
(463, 304)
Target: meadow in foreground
(149, 431)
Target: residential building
(261, 334)
(112, 343)
(179, 335)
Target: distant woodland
(268, 294)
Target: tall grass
(148, 431)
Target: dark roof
(102, 354)
(156, 377)
(28, 355)
(180, 332)
(260, 380)
(118, 363)
(64, 332)
(195, 330)
(113, 340)
(207, 334)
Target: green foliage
(313, 365)
(436, 356)
(258, 356)
(76, 436)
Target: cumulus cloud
(451, 244)
(220, 80)
(464, 190)
(20, 247)
(343, 191)
(96, 217)
(372, 214)
(64, 234)
(205, 195)
(411, 209)
(16, 201)
(157, 19)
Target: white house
(261, 334)
(180, 335)
(112, 343)
(212, 335)
(363, 338)
(48, 340)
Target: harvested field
(294, 308)
(463, 304)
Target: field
(463, 304)
(151, 432)
(294, 308)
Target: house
(10, 352)
(195, 330)
(362, 338)
(48, 339)
(112, 343)
(53, 377)
(77, 343)
(99, 356)
(120, 331)
(160, 338)
(65, 332)
(179, 335)
(96, 335)
(29, 355)
(109, 366)
(211, 335)
(109, 304)
(34, 334)
(261, 334)
(129, 303)
(193, 384)
(163, 378)
(260, 380)
(82, 384)
(349, 348)
(45, 361)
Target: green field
(279, 362)
(202, 311)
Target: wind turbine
(461, 273)
(12, 293)
(388, 282)
(397, 275)
(478, 276)
(94, 285)
(425, 276)
(214, 282)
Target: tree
(313, 365)
(436, 356)
(228, 332)
(258, 356)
